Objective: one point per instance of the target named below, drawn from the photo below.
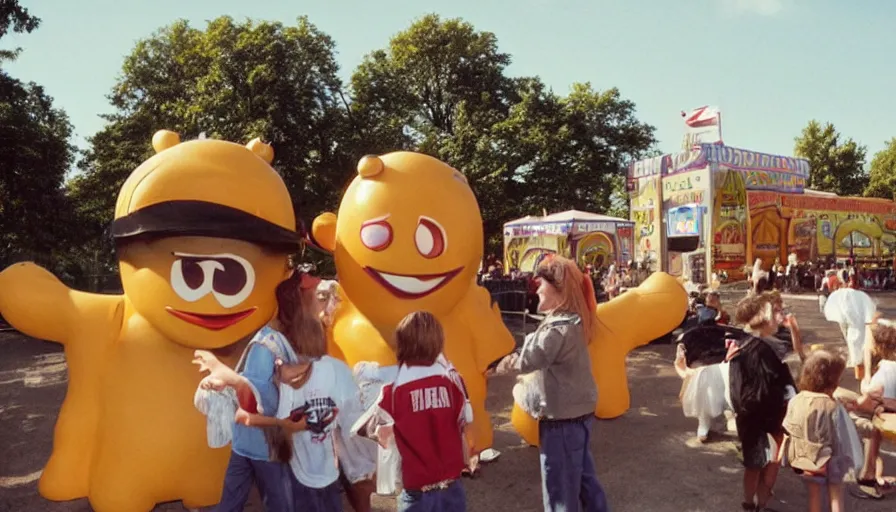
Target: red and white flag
(702, 126)
(701, 117)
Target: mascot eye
(188, 278)
(376, 235)
(430, 238)
(228, 277)
(233, 280)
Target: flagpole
(721, 139)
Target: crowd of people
(799, 275)
(304, 427)
(788, 406)
(608, 281)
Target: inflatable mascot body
(629, 321)
(408, 237)
(202, 231)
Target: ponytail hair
(301, 327)
(576, 290)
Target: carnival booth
(718, 207)
(589, 238)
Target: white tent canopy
(567, 216)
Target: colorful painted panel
(526, 252)
(595, 249)
(845, 234)
(771, 180)
(729, 221)
(835, 204)
(645, 213)
(624, 241)
(744, 160)
(538, 228)
(685, 188)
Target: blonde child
(813, 446)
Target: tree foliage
(35, 155)
(836, 165)
(882, 176)
(16, 18)
(441, 87)
(233, 81)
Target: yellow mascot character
(629, 321)
(202, 231)
(408, 237)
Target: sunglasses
(543, 274)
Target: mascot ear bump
(323, 231)
(370, 166)
(164, 139)
(261, 150)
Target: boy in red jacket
(425, 409)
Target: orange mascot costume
(202, 231)
(408, 237)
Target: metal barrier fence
(511, 296)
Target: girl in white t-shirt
(319, 395)
(326, 401)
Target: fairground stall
(718, 207)
(589, 238)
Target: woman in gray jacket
(564, 393)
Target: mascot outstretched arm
(203, 230)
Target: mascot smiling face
(408, 237)
(201, 262)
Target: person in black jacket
(760, 385)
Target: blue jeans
(451, 499)
(568, 477)
(272, 479)
(309, 499)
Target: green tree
(882, 177)
(233, 81)
(836, 165)
(35, 155)
(16, 18)
(441, 87)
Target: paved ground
(648, 460)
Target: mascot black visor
(200, 218)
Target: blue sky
(771, 65)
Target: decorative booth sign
(591, 227)
(683, 221)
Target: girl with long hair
(566, 396)
(259, 455)
(318, 402)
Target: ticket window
(677, 247)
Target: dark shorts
(754, 439)
(309, 499)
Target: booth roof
(567, 216)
